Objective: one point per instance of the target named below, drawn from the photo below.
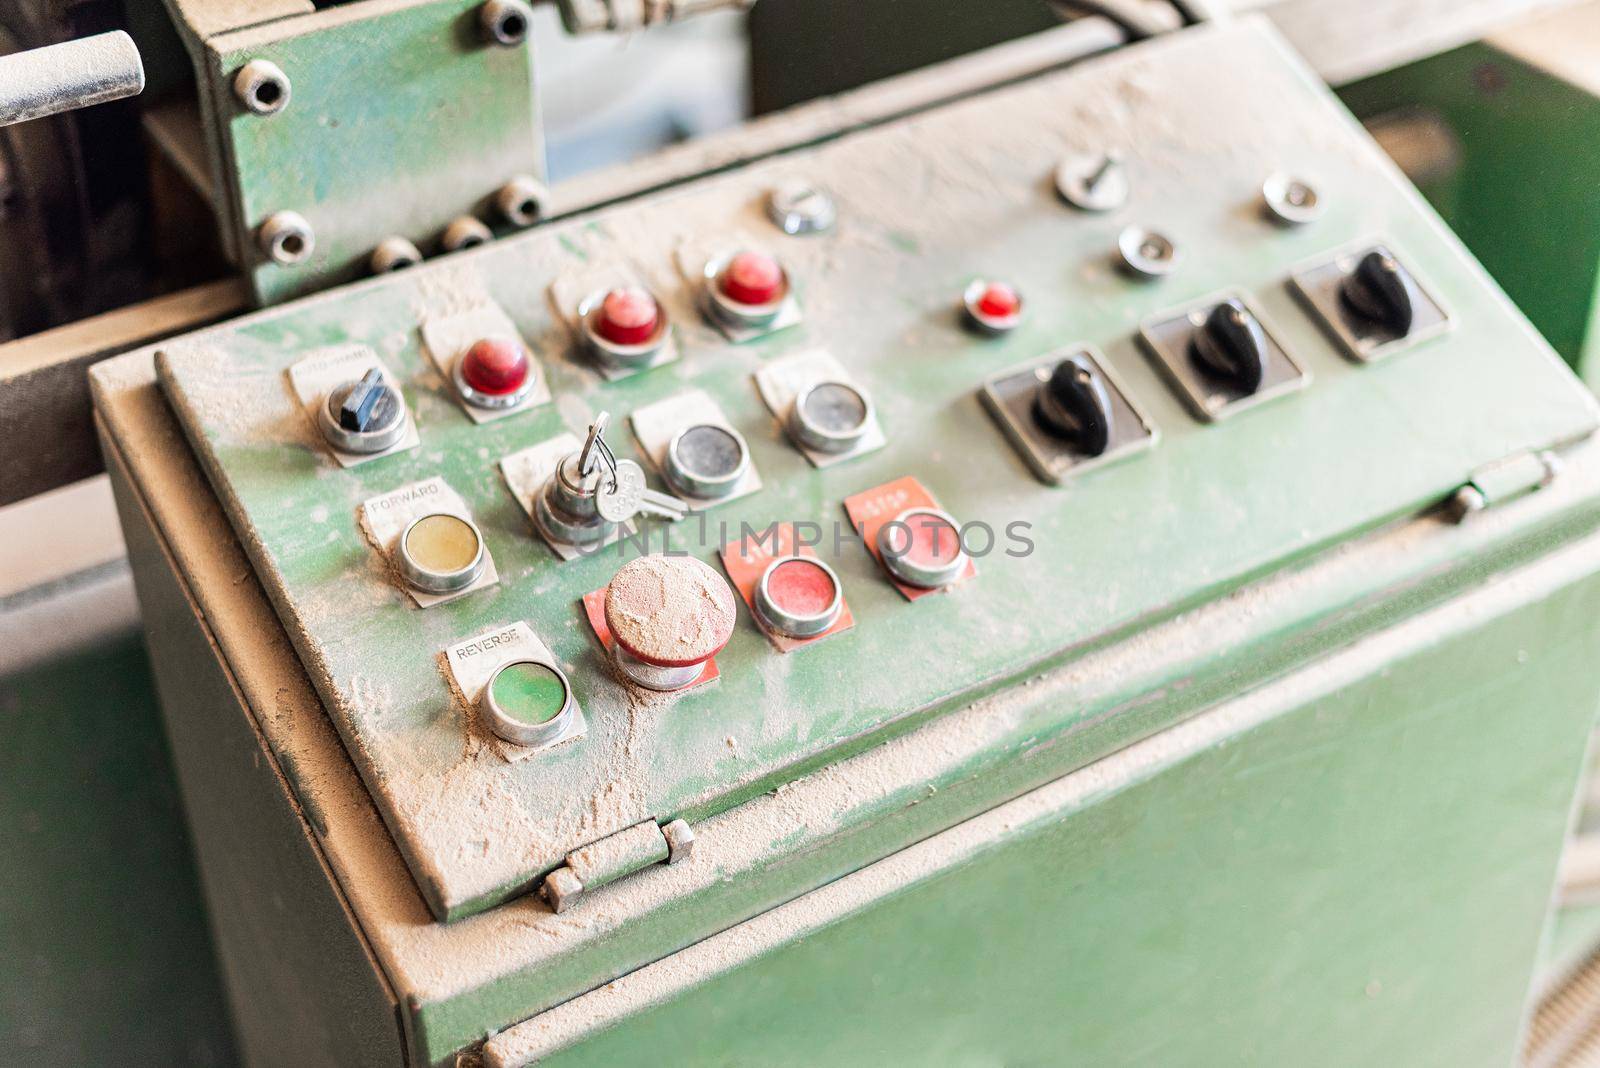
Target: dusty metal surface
(1217, 504)
(464, 980)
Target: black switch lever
(1231, 347)
(1073, 405)
(1381, 293)
(360, 405)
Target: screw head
(393, 254)
(1290, 201)
(1146, 253)
(799, 207)
(1093, 182)
(522, 201)
(285, 238)
(261, 87)
(505, 22)
(464, 232)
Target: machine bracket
(1505, 480)
(615, 856)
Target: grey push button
(830, 417)
(706, 461)
(365, 416)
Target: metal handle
(68, 76)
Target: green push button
(528, 702)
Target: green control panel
(592, 533)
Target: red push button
(668, 615)
(799, 597)
(993, 307)
(496, 372)
(752, 278)
(628, 316)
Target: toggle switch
(364, 416)
(624, 327)
(1231, 347)
(1221, 356)
(1066, 413)
(495, 373)
(668, 615)
(798, 597)
(1381, 294)
(1073, 405)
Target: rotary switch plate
(1012, 398)
(1170, 337)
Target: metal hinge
(610, 858)
(1504, 480)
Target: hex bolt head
(464, 232)
(261, 87)
(393, 254)
(285, 238)
(505, 22)
(522, 201)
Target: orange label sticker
(747, 559)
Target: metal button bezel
(813, 436)
(618, 356)
(515, 731)
(494, 401)
(790, 624)
(427, 579)
(682, 478)
(908, 571)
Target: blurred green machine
(1500, 137)
(1262, 749)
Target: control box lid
(925, 205)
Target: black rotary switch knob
(1231, 347)
(1381, 293)
(1073, 405)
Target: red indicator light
(752, 278)
(628, 316)
(496, 366)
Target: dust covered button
(527, 701)
(799, 597)
(441, 553)
(669, 611)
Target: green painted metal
(402, 118)
(102, 931)
(1358, 880)
(1217, 505)
(1520, 191)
